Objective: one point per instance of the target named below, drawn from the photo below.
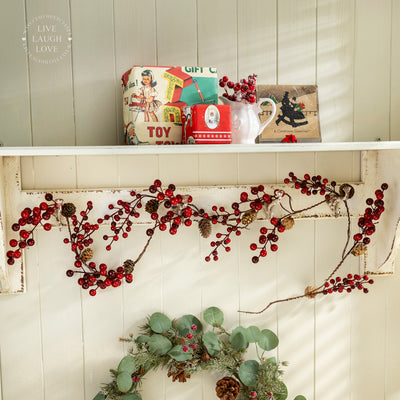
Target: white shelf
(196, 149)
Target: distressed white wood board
(208, 195)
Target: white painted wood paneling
(372, 70)
(217, 36)
(177, 30)
(15, 123)
(52, 101)
(335, 70)
(62, 342)
(257, 44)
(394, 76)
(94, 73)
(296, 42)
(21, 341)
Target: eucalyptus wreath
(183, 347)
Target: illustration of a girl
(147, 96)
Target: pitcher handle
(262, 100)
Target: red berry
(274, 221)
(225, 79)
(24, 234)
(15, 227)
(379, 194)
(189, 335)
(357, 237)
(47, 227)
(253, 246)
(274, 247)
(255, 259)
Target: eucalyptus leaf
(213, 316)
(143, 339)
(159, 322)
(185, 324)
(127, 364)
(238, 338)
(248, 372)
(178, 354)
(282, 393)
(253, 334)
(300, 397)
(131, 396)
(211, 341)
(124, 381)
(268, 340)
(159, 344)
(99, 396)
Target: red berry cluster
(347, 284)
(30, 219)
(244, 91)
(267, 236)
(190, 340)
(254, 201)
(312, 185)
(178, 212)
(371, 215)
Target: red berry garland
(170, 211)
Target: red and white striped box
(207, 124)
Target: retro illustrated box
(154, 97)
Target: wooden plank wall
(58, 343)
(349, 48)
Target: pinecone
(227, 388)
(249, 217)
(205, 228)
(68, 210)
(181, 340)
(346, 191)
(309, 292)
(205, 357)
(359, 249)
(178, 372)
(129, 266)
(86, 255)
(152, 206)
(287, 223)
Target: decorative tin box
(207, 124)
(153, 99)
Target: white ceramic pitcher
(246, 125)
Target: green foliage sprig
(184, 348)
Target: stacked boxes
(154, 97)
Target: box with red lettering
(154, 96)
(207, 124)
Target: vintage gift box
(153, 99)
(207, 124)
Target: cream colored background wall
(350, 48)
(58, 343)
